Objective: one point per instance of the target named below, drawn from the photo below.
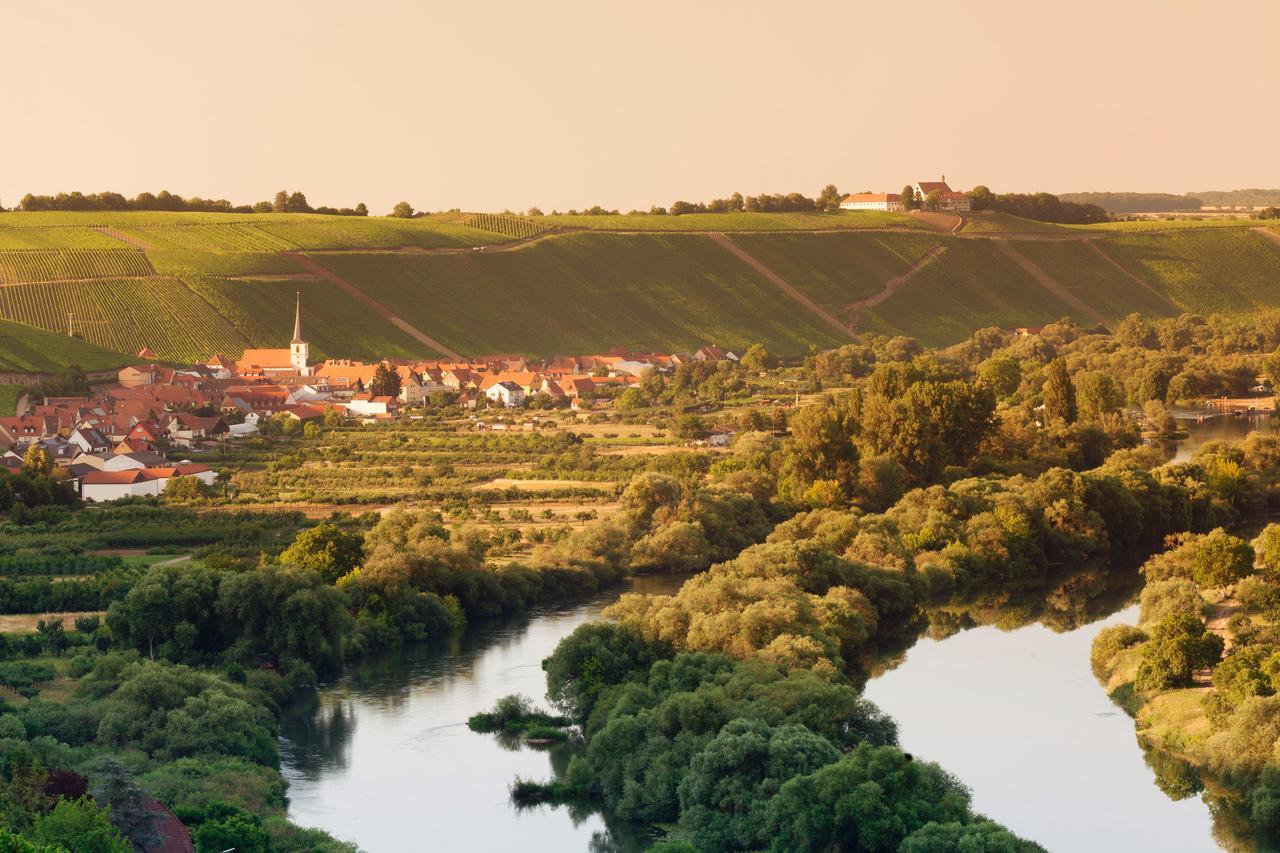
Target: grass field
(9, 395)
(24, 349)
(587, 292)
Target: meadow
(24, 349)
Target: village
(132, 437)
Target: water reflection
(383, 756)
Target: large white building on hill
(871, 201)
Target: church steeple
(297, 319)
(299, 349)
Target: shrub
(1110, 642)
(1166, 597)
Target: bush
(1110, 642)
(1166, 597)
(1179, 645)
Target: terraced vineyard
(53, 265)
(336, 325)
(52, 237)
(587, 292)
(518, 227)
(24, 349)
(125, 314)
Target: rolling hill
(190, 285)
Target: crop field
(126, 314)
(1080, 270)
(989, 222)
(836, 269)
(24, 349)
(52, 265)
(335, 324)
(969, 286)
(347, 232)
(585, 293)
(518, 227)
(837, 220)
(53, 237)
(1212, 270)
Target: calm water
(1216, 429)
(384, 757)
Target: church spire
(297, 319)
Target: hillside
(190, 285)
(24, 349)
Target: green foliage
(325, 549)
(596, 656)
(1178, 645)
(1110, 642)
(1059, 394)
(1164, 598)
(81, 827)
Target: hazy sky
(493, 104)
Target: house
(168, 834)
(367, 405)
(113, 485)
(186, 429)
(90, 440)
(1028, 331)
(947, 198)
(710, 353)
(506, 393)
(721, 436)
(132, 461)
(872, 201)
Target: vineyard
(55, 237)
(233, 237)
(125, 314)
(53, 265)
(520, 227)
(24, 349)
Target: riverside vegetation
(729, 712)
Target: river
(383, 757)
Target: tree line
(283, 202)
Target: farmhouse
(505, 393)
(872, 201)
(947, 198)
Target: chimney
(944, 179)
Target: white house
(871, 201)
(113, 485)
(367, 405)
(507, 394)
(90, 440)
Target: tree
(124, 802)
(932, 199)
(829, 198)
(1179, 645)
(402, 210)
(756, 358)
(326, 549)
(1002, 373)
(1059, 394)
(79, 825)
(386, 381)
(980, 198)
(297, 203)
(907, 197)
(632, 398)
(361, 209)
(186, 489)
(53, 634)
(281, 202)
(1220, 559)
(1097, 394)
(37, 462)
(595, 656)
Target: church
(271, 362)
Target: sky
(504, 105)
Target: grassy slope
(1080, 270)
(576, 292)
(27, 350)
(1217, 270)
(334, 324)
(969, 286)
(586, 292)
(989, 222)
(9, 395)
(836, 269)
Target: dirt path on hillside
(507, 246)
(894, 284)
(1221, 615)
(1048, 282)
(1097, 250)
(123, 237)
(378, 308)
(781, 283)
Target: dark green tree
(1059, 394)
